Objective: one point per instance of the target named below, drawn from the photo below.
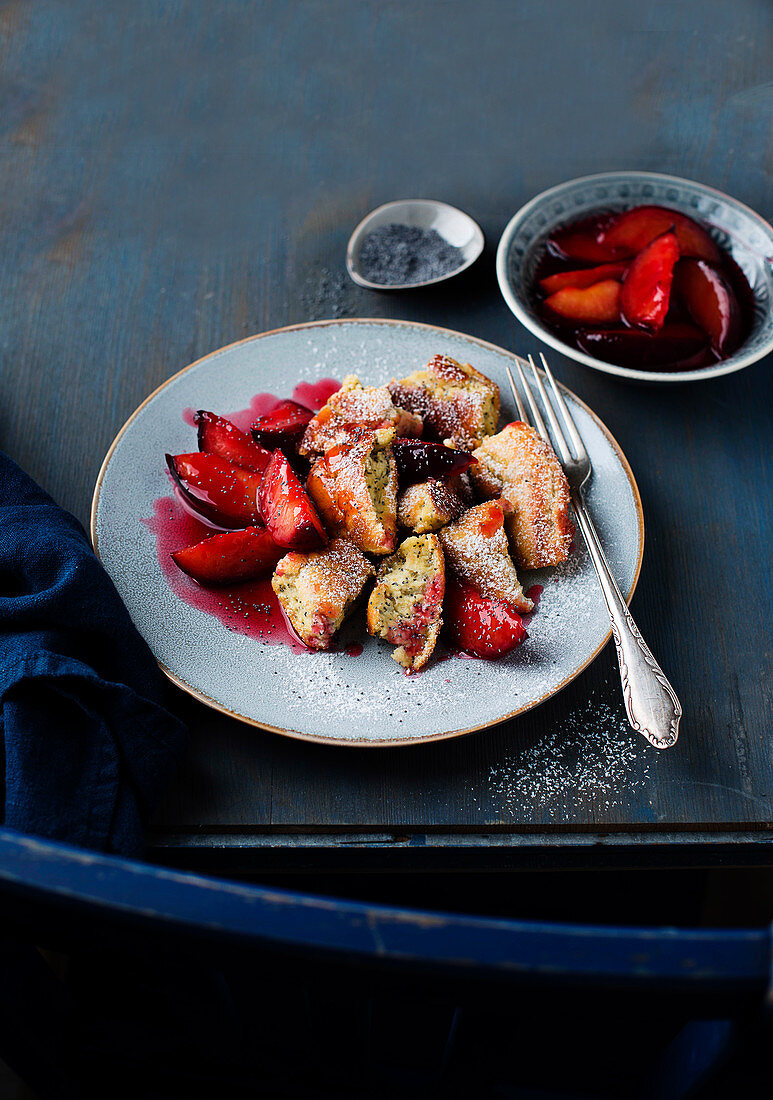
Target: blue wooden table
(175, 177)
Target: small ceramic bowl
(451, 224)
(744, 234)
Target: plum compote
(647, 288)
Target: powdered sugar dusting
(590, 761)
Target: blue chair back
(349, 960)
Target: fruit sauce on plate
(249, 607)
(648, 288)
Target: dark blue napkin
(88, 742)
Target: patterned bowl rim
(728, 366)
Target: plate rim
(445, 735)
(532, 325)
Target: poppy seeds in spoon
(396, 254)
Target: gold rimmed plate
(339, 698)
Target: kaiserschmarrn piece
(518, 465)
(476, 550)
(406, 604)
(352, 407)
(455, 400)
(318, 590)
(428, 506)
(354, 486)
(461, 485)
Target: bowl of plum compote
(642, 275)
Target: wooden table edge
(483, 850)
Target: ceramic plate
(334, 697)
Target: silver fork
(650, 702)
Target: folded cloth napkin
(88, 742)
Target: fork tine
(566, 416)
(536, 415)
(561, 445)
(516, 396)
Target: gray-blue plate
(742, 232)
(332, 697)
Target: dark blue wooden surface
(174, 177)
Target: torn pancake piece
(521, 467)
(356, 406)
(428, 506)
(406, 604)
(458, 402)
(354, 486)
(476, 551)
(317, 591)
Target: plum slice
(230, 557)
(586, 276)
(283, 426)
(286, 509)
(679, 346)
(711, 303)
(419, 461)
(632, 231)
(219, 436)
(739, 285)
(221, 493)
(594, 305)
(580, 241)
(646, 292)
(482, 627)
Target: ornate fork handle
(650, 702)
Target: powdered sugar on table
(591, 758)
